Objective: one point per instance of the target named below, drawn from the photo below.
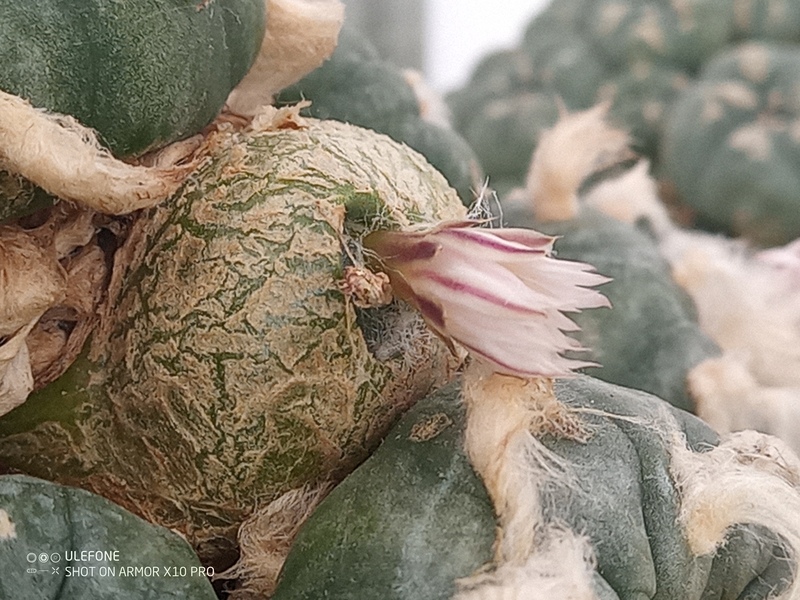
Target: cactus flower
(497, 292)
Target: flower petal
(517, 341)
(497, 292)
(523, 348)
(496, 247)
(490, 291)
(394, 246)
(526, 237)
(569, 281)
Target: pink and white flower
(497, 292)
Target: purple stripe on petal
(486, 240)
(394, 246)
(457, 286)
(497, 292)
(432, 311)
(419, 250)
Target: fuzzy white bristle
(730, 399)
(578, 145)
(265, 539)
(300, 36)
(560, 569)
(632, 197)
(749, 478)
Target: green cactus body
(232, 367)
(731, 144)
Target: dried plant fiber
(63, 157)
(266, 537)
(562, 569)
(31, 281)
(749, 478)
(300, 35)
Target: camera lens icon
(55, 557)
(43, 557)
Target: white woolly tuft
(749, 478)
(784, 261)
(300, 36)
(265, 539)
(741, 303)
(729, 398)
(748, 303)
(504, 414)
(62, 156)
(576, 146)
(408, 337)
(631, 197)
(432, 106)
(561, 569)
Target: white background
(459, 32)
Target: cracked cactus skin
(232, 368)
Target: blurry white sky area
(458, 33)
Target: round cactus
(731, 144)
(413, 522)
(142, 74)
(233, 367)
(355, 86)
(635, 55)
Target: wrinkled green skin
(143, 73)
(649, 340)
(414, 517)
(355, 86)
(232, 368)
(751, 194)
(636, 54)
(51, 518)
